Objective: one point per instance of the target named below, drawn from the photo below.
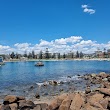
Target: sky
(60, 25)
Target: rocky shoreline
(91, 98)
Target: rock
(32, 87)
(103, 75)
(88, 90)
(44, 106)
(5, 107)
(25, 108)
(95, 98)
(68, 76)
(26, 104)
(0, 106)
(20, 98)
(54, 105)
(54, 83)
(61, 98)
(9, 99)
(109, 79)
(37, 96)
(61, 82)
(57, 102)
(105, 91)
(13, 106)
(106, 85)
(65, 105)
(37, 107)
(86, 77)
(77, 102)
(61, 90)
(93, 75)
(105, 79)
(104, 103)
(89, 107)
(97, 105)
(21, 101)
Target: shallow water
(17, 77)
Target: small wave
(68, 78)
(63, 79)
(39, 84)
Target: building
(108, 52)
(1, 61)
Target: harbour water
(19, 76)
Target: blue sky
(29, 21)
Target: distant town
(47, 55)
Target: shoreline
(84, 59)
(87, 99)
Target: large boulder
(54, 105)
(77, 102)
(89, 107)
(10, 99)
(44, 106)
(57, 102)
(65, 105)
(95, 98)
(37, 107)
(26, 104)
(104, 103)
(13, 106)
(105, 91)
(20, 98)
(5, 107)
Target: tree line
(43, 55)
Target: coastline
(87, 99)
(84, 59)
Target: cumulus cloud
(5, 49)
(86, 9)
(62, 45)
(22, 45)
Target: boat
(1, 61)
(39, 64)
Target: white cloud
(5, 49)
(91, 11)
(22, 45)
(88, 10)
(84, 6)
(63, 45)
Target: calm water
(25, 73)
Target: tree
(104, 52)
(77, 54)
(33, 54)
(53, 56)
(12, 55)
(58, 55)
(40, 54)
(72, 55)
(64, 56)
(30, 55)
(81, 55)
(25, 54)
(47, 54)
(17, 56)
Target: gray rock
(37, 96)
(26, 104)
(5, 107)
